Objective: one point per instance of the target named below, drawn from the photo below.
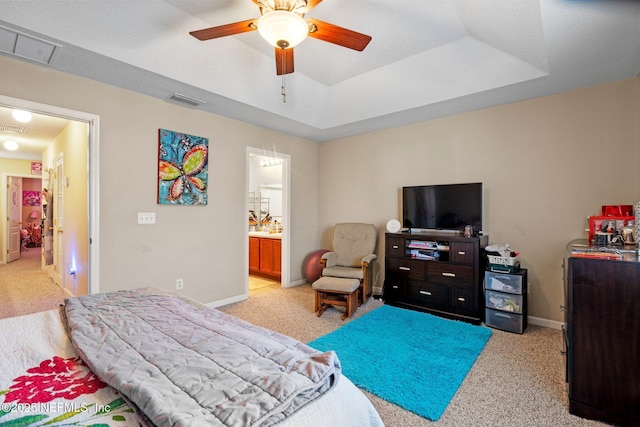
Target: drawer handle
(506, 316)
(395, 286)
(395, 246)
(404, 268)
(449, 274)
(461, 299)
(462, 253)
(425, 293)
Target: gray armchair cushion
(352, 242)
(346, 272)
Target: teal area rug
(413, 359)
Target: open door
(14, 202)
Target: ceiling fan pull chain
(283, 91)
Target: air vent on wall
(185, 100)
(11, 128)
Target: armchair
(352, 255)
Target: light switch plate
(146, 217)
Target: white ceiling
(32, 138)
(427, 58)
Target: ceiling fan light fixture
(283, 29)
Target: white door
(14, 202)
(58, 224)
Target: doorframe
(93, 173)
(286, 216)
(4, 211)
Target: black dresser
(436, 273)
(603, 336)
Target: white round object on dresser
(393, 226)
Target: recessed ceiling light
(21, 116)
(10, 145)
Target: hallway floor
(25, 288)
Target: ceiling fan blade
(337, 35)
(284, 61)
(310, 5)
(226, 30)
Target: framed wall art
(182, 168)
(36, 168)
(30, 198)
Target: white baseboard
(243, 297)
(544, 322)
(297, 283)
(227, 301)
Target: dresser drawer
(410, 268)
(448, 274)
(462, 300)
(395, 247)
(428, 294)
(461, 252)
(394, 287)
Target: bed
(147, 357)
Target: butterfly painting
(182, 168)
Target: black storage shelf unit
(506, 300)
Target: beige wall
(204, 245)
(546, 164)
(72, 144)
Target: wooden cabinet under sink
(265, 256)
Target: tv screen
(442, 207)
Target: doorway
(268, 213)
(90, 177)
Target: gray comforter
(184, 365)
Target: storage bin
(500, 260)
(509, 322)
(504, 302)
(511, 283)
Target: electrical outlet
(179, 284)
(146, 217)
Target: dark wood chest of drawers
(603, 339)
(436, 273)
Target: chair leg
(352, 303)
(323, 308)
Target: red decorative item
(617, 210)
(52, 379)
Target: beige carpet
(518, 380)
(25, 288)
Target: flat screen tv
(446, 207)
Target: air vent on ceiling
(185, 100)
(25, 46)
(11, 128)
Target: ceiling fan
(283, 25)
